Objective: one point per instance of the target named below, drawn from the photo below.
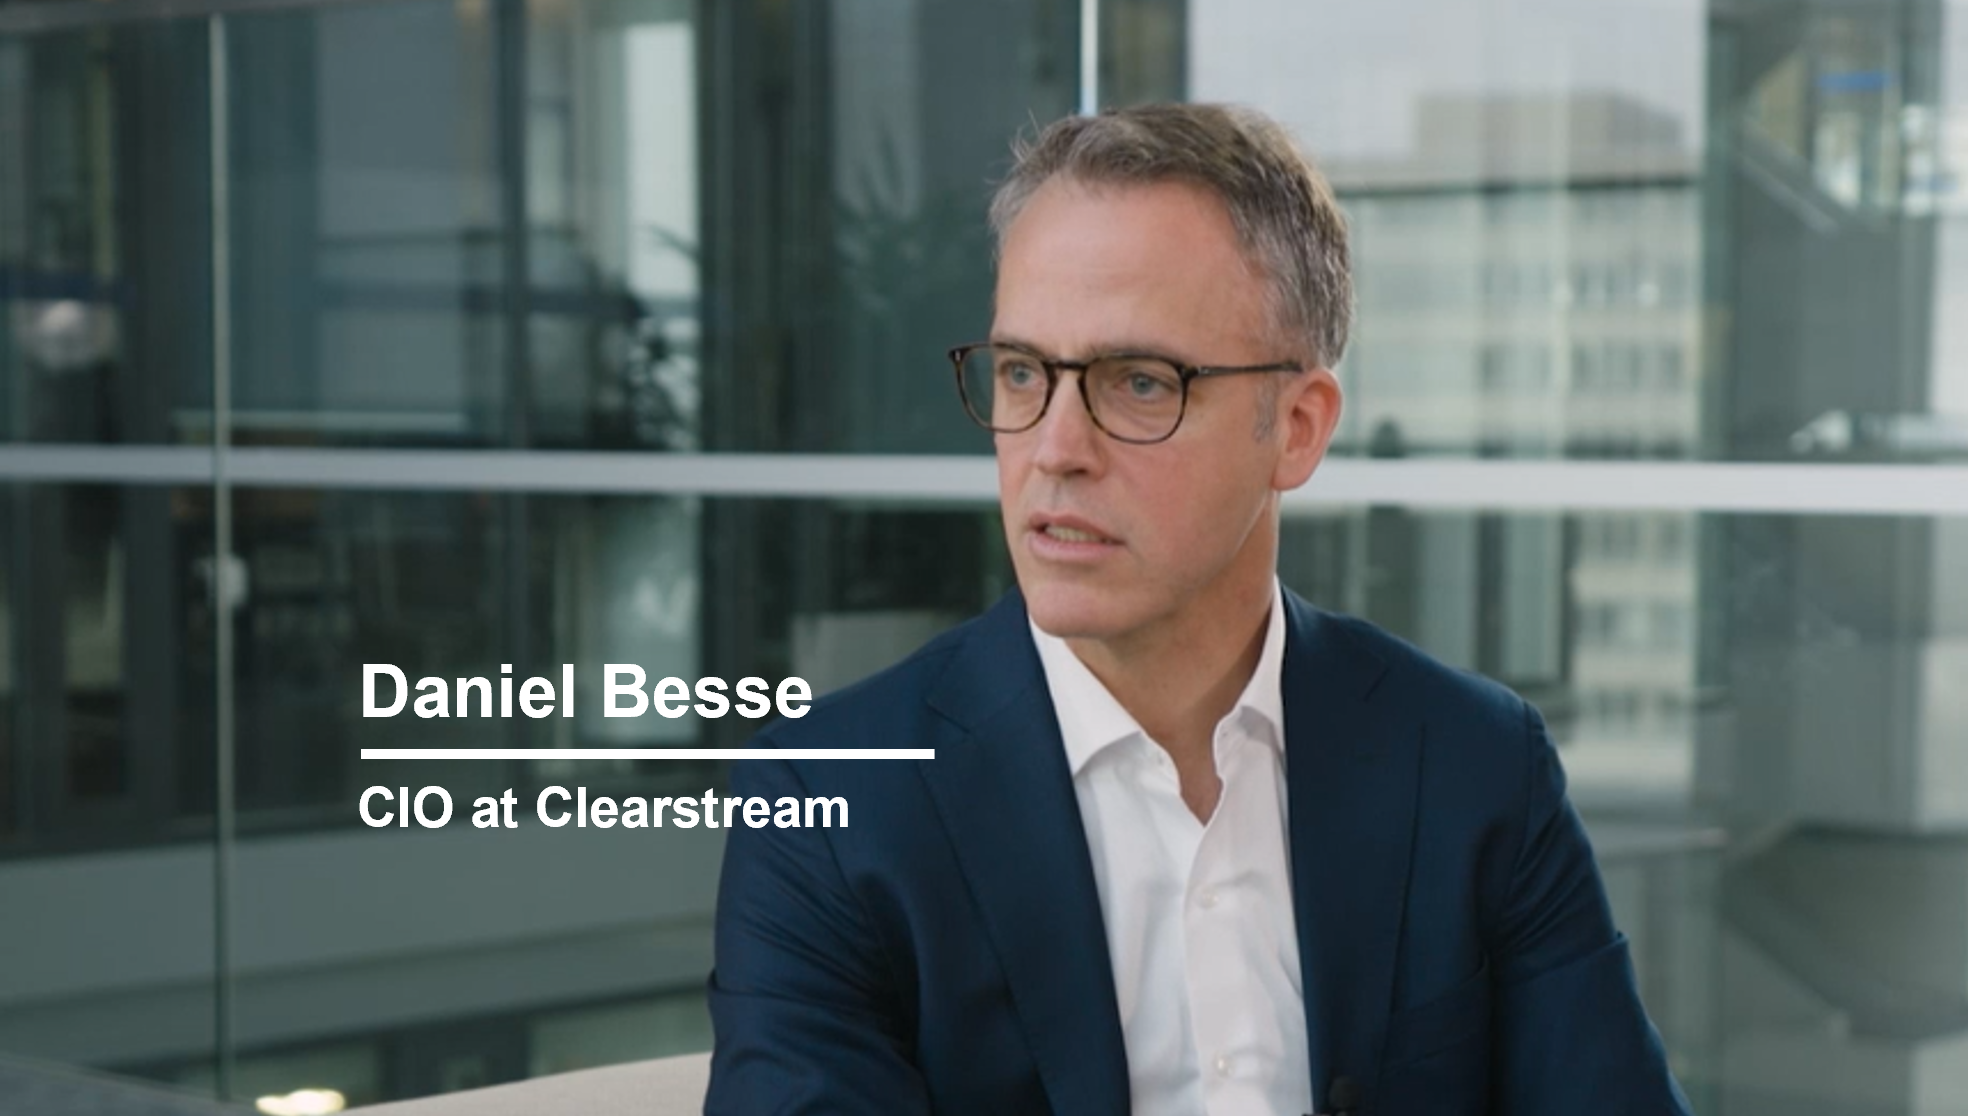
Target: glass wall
(463, 334)
(1699, 252)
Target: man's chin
(1074, 613)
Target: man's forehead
(1128, 214)
(1089, 270)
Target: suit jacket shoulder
(1480, 738)
(1486, 781)
(1411, 676)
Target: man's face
(1112, 540)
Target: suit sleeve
(801, 998)
(1572, 1033)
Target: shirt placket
(1220, 994)
(1173, 834)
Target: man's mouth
(1071, 529)
(1069, 534)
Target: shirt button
(1222, 1065)
(1207, 898)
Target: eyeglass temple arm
(1241, 369)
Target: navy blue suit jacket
(945, 952)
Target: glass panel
(1761, 720)
(457, 586)
(106, 666)
(106, 775)
(1535, 322)
(105, 234)
(460, 225)
(1758, 715)
(419, 265)
(1725, 692)
(367, 247)
(452, 962)
(849, 238)
(611, 193)
(1523, 182)
(1630, 229)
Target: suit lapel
(1352, 772)
(1006, 796)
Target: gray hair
(1281, 206)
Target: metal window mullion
(225, 803)
(1550, 485)
(1089, 57)
(509, 31)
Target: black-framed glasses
(1134, 398)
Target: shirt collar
(1090, 719)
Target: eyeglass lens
(1137, 398)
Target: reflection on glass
(1632, 229)
(415, 268)
(637, 584)
(104, 236)
(1592, 617)
(1527, 241)
(1681, 662)
(1708, 679)
(106, 671)
(106, 765)
(862, 248)
(1534, 321)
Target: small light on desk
(303, 1102)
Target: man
(1187, 844)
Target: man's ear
(1308, 413)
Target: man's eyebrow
(1107, 348)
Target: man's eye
(1020, 374)
(1146, 386)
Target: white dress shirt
(1199, 916)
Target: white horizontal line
(1738, 487)
(966, 478)
(71, 464)
(1429, 483)
(646, 753)
(903, 477)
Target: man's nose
(1068, 441)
